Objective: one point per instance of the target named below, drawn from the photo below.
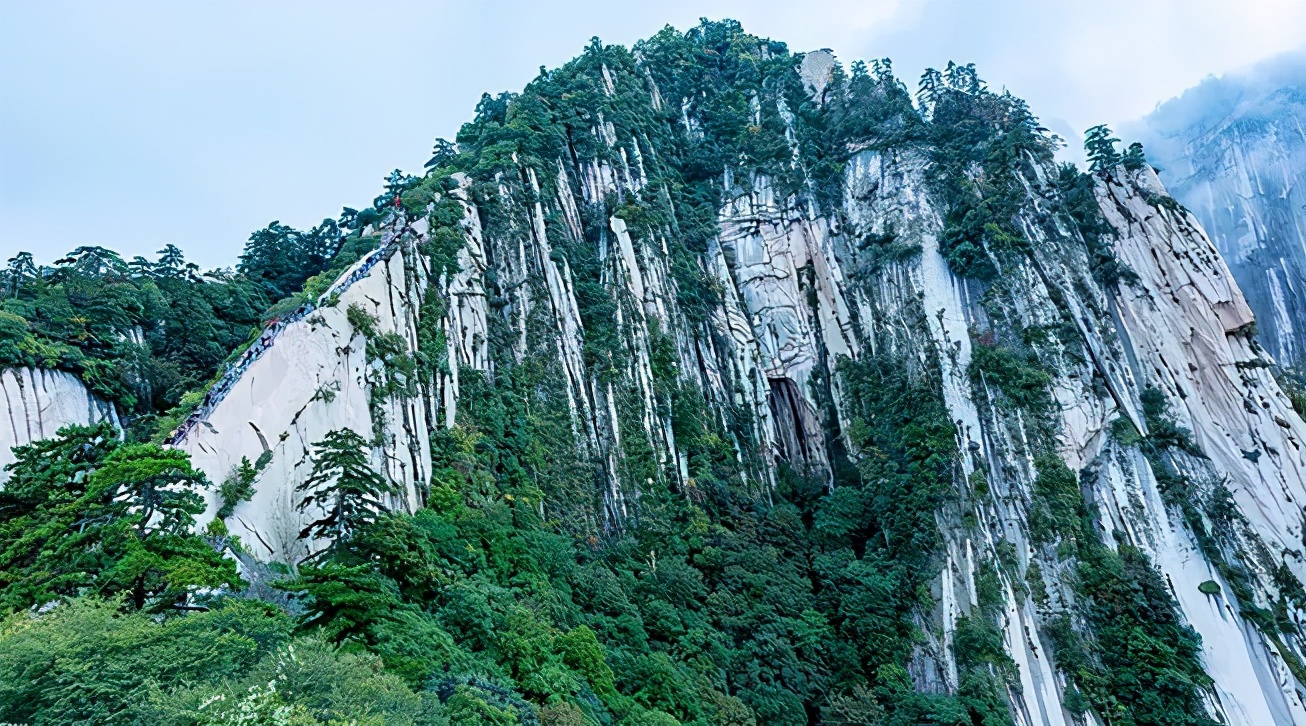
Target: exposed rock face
(38, 403)
(1176, 330)
(1180, 331)
(797, 294)
(1233, 150)
(314, 376)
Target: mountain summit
(707, 382)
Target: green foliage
(713, 612)
(884, 249)
(139, 334)
(910, 470)
(857, 707)
(357, 605)
(1134, 158)
(1293, 383)
(445, 219)
(544, 581)
(343, 486)
(1019, 377)
(1058, 508)
(1162, 430)
(391, 351)
(86, 513)
(476, 703)
(1080, 204)
(1208, 510)
(1124, 433)
(985, 670)
(363, 322)
(281, 259)
(1165, 201)
(1131, 658)
(87, 662)
(1100, 147)
(387, 353)
(148, 336)
(1144, 664)
(981, 145)
(237, 487)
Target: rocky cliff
(38, 403)
(323, 368)
(1233, 150)
(1176, 330)
(695, 291)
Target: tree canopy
(511, 593)
(84, 513)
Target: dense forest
(507, 598)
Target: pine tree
(927, 94)
(1101, 149)
(344, 486)
(95, 262)
(1134, 158)
(395, 186)
(282, 258)
(950, 76)
(444, 154)
(319, 246)
(963, 78)
(83, 512)
(270, 259)
(968, 79)
(171, 261)
(22, 267)
(882, 69)
(153, 486)
(237, 487)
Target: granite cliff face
(1176, 330)
(310, 374)
(1233, 150)
(38, 403)
(1145, 391)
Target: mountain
(707, 382)
(1233, 150)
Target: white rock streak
(37, 403)
(795, 297)
(315, 378)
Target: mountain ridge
(919, 426)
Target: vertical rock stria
(38, 403)
(1233, 150)
(312, 376)
(1105, 401)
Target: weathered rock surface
(313, 377)
(1233, 150)
(38, 402)
(1183, 331)
(796, 296)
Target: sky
(133, 125)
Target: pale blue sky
(136, 124)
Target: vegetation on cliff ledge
(729, 587)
